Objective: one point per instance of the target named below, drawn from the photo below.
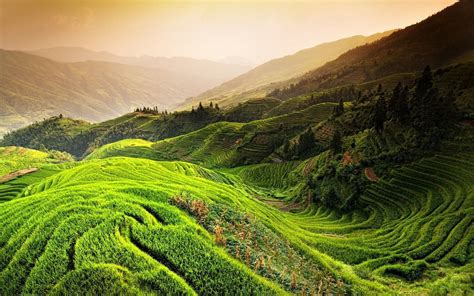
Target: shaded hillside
(225, 143)
(207, 73)
(79, 137)
(34, 87)
(458, 78)
(258, 80)
(439, 40)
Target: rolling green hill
(258, 81)
(224, 143)
(67, 237)
(17, 158)
(377, 212)
(357, 180)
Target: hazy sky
(255, 30)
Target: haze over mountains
(97, 85)
(443, 39)
(259, 80)
(208, 73)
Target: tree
(341, 106)
(217, 106)
(200, 108)
(397, 105)
(211, 105)
(379, 89)
(393, 100)
(423, 84)
(423, 101)
(336, 142)
(380, 114)
(306, 141)
(339, 109)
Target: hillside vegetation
(224, 143)
(416, 224)
(357, 182)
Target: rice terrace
(341, 168)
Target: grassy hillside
(34, 88)
(260, 79)
(372, 205)
(79, 137)
(18, 158)
(407, 50)
(133, 229)
(224, 143)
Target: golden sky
(255, 30)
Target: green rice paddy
(107, 226)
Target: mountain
(442, 39)
(35, 87)
(207, 73)
(258, 80)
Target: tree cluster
(150, 110)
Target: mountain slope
(284, 68)
(442, 39)
(207, 73)
(34, 87)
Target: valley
(342, 169)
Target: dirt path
(370, 174)
(16, 174)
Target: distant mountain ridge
(209, 73)
(260, 79)
(34, 87)
(444, 38)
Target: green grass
(110, 221)
(17, 158)
(120, 232)
(223, 144)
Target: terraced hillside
(119, 236)
(224, 143)
(111, 226)
(414, 234)
(28, 165)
